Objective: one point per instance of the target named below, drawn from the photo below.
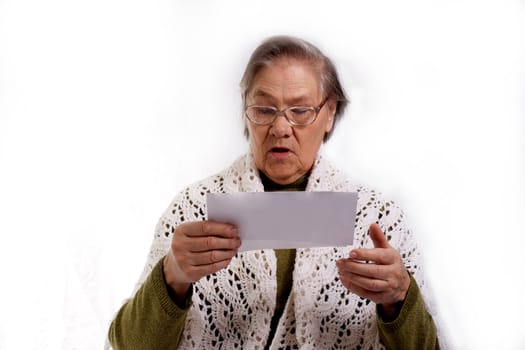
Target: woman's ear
(331, 108)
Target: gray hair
(277, 47)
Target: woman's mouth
(280, 152)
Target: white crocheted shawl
(233, 308)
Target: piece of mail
(279, 220)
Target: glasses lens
(301, 115)
(264, 115)
(261, 114)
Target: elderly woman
(198, 292)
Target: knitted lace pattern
(233, 308)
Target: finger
(210, 243)
(375, 271)
(376, 297)
(195, 273)
(211, 257)
(377, 255)
(367, 283)
(378, 237)
(206, 228)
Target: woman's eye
(265, 111)
(300, 111)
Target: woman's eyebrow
(301, 99)
(262, 93)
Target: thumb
(378, 237)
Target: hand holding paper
(198, 248)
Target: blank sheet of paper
(287, 219)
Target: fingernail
(353, 254)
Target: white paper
(275, 220)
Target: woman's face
(285, 152)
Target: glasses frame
(283, 112)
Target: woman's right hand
(198, 248)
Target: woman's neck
(271, 186)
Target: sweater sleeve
(151, 319)
(413, 328)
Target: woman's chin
(283, 177)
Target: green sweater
(152, 320)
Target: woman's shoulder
(239, 176)
(328, 171)
(372, 203)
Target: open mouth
(280, 152)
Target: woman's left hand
(377, 274)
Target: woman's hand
(198, 248)
(377, 274)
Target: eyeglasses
(295, 115)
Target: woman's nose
(281, 127)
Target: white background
(108, 108)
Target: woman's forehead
(291, 80)
(291, 97)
